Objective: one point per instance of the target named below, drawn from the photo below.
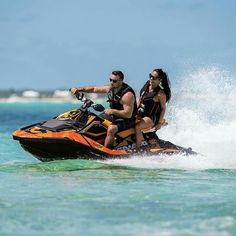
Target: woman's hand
(158, 126)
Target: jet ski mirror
(98, 107)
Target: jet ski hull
(56, 149)
(51, 149)
(72, 145)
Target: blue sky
(51, 44)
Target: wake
(201, 115)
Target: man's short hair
(119, 73)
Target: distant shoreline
(30, 100)
(47, 100)
(57, 96)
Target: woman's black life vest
(114, 98)
(147, 106)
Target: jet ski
(80, 134)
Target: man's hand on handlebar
(73, 90)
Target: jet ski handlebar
(80, 96)
(87, 103)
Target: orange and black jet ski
(80, 134)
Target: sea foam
(201, 115)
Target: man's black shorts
(124, 124)
(121, 123)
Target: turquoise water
(139, 196)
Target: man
(122, 101)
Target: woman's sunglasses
(152, 77)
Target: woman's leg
(144, 123)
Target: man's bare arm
(91, 89)
(128, 103)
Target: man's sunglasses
(113, 80)
(152, 77)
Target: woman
(152, 103)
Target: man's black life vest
(114, 98)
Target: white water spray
(201, 115)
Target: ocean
(157, 195)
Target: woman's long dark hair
(165, 82)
